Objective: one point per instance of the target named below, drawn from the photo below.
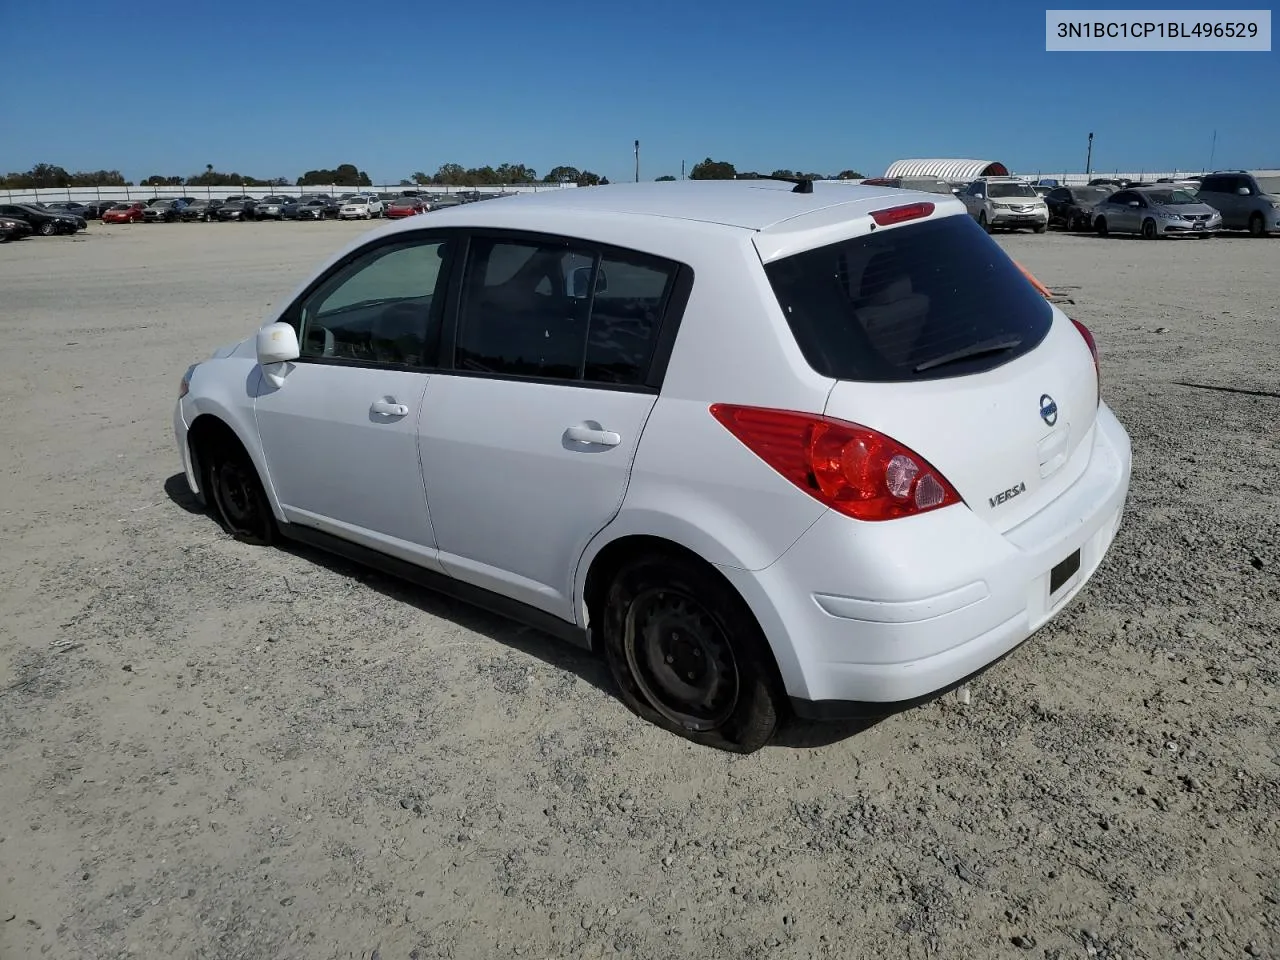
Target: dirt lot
(209, 750)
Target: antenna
(1213, 148)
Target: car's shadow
(794, 734)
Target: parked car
(1072, 207)
(202, 210)
(360, 208)
(11, 228)
(47, 223)
(307, 208)
(1006, 204)
(71, 207)
(926, 184)
(1118, 184)
(1154, 212)
(97, 208)
(239, 210)
(405, 207)
(271, 208)
(907, 470)
(129, 211)
(1246, 201)
(163, 211)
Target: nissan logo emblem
(1048, 409)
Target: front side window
(561, 310)
(383, 307)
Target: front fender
(226, 389)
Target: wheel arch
(212, 424)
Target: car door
(527, 444)
(1219, 192)
(340, 432)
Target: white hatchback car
(360, 207)
(771, 449)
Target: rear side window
(919, 302)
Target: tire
(1149, 230)
(235, 495)
(982, 221)
(47, 229)
(1101, 226)
(1039, 228)
(1257, 226)
(665, 613)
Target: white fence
(120, 194)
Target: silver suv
(1005, 203)
(1246, 202)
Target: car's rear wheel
(1149, 230)
(688, 655)
(236, 495)
(1257, 226)
(1101, 226)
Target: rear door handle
(388, 408)
(606, 438)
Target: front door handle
(388, 408)
(606, 438)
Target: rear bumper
(867, 618)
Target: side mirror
(1243, 191)
(277, 344)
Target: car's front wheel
(236, 495)
(1257, 226)
(688, 655)
(1149, 231)
(1101, 226)
(983, 222)
(1040, 227)
(47, 229)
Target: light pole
(1088, 163)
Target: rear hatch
(936, 339)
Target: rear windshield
(919, 302)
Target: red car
(128, 212)
(405, 207)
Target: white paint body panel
(340, 467)
(479, 481)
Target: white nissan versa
(813, 448)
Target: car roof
(756, 205)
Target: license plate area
(1060, 575)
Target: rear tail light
(850, 468)
(1093, 349)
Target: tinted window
(561, 311)
(890, 306)
(380, 307)
(518, 315)
(1215, 184)
(625, 315)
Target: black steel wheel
(688, 655)
(236, 495)
(1149, 229)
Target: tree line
(48, 175)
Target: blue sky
(279, 87)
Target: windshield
(885, 307)
(1009, 190)
(1170, 198)
(358, 200)
(1270, 185)
(123, 206)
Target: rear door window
(922, 301)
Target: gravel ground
(213, 751)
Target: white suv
(360, 207)
(821, 449)
(1005, 204)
